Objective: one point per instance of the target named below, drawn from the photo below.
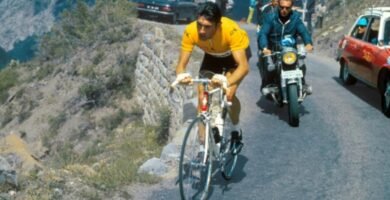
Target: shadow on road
(364, 92)
(269, 107)
(238, 176)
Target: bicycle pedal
(237, 148)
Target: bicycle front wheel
(194, 168)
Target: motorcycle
(287, 85)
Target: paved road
(340, 150)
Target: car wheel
(385, 96)
(345, 76)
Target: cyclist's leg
(234, 113)
(235, 109)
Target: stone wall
(155, 71)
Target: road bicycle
(217, 146)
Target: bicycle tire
(194, 176)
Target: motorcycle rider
(275, 27)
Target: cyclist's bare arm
(242, 68)
(184, 57)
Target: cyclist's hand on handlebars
(309, 48)
(182, 78)
(219, 80)
(267, 51)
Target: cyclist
(275, 27)
(226, 45)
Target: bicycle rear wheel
(229, 157)
(194, 172)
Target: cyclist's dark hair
(210, 11)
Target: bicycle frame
(207, 118)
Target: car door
(357, 52)
(367, 62)
(382, 55)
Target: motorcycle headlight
(289, 58)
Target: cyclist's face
(206, 28)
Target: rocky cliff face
(23, 18)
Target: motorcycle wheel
(293, 109)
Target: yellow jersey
(228, 37)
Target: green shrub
(24, 115)
(88, 156)
(163, 128)
(9, 78)
(93, 92)
(112, 122)
(88, 72)
(99, 57)
(129, 151)
(122, 78)
(44, 71)
(55, 123)
(7, 117)
(65, 155)
(106, 22)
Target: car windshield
(386, 35)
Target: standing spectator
(252, 6)
(266, 9)
(320, 12)
(310, 9)
(307, 9)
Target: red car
(364, 53)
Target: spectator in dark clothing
(265, 10)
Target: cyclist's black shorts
(217, 64)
